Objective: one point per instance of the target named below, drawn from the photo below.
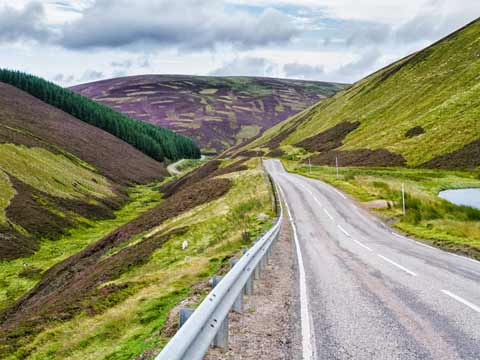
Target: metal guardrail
(208, 324)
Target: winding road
(367, 292)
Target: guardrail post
(221, 338)
(238, 304)
(185, 314)
(256, 272)
(248, 290)
(214, 280)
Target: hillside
(217, 112)
(116, 297)
(57, 172)
(420, 111)
(154, 141)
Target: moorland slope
(217, 112)
(56, 170)
(422, 111)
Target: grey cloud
(355, 70)
(24, 24)
(142, 62)
(369, 34)
(189, 24)
(303, 71)
(91, 75)
(63, 79)
(119, 73)
(122, 64)
(432, 23)
(251, 66)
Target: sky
(72, 42)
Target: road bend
(371, 293)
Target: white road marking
(465, 258)
(462, 300)
(362, 245)
(397, 265)
(338, 192)
(343, 230)
(306, 189)
(413, 241)
(328, 214)
(318, 201)
(307, 331)
(399, 236)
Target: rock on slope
(217, 112)
(421, 111)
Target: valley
(142, 211)
(218, 112)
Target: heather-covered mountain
(420, 111)
(156, 142)
(57, 171)
(217, 112)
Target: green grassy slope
(57, 173)
(437, 88)
(122, 289)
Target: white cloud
(334, 40)
(248, 66)
(190, 24)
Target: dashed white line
(462, 300)
(339, 193)
(328, 214)
(397, 265)
(307, 331)
(362, 245)
(343, 230)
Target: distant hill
(423, 110)
(217, 112)
(155, 141)
(55, 169)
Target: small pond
(468, 197)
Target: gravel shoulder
(265, 330)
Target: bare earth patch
(266, 327)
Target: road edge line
(308, 352)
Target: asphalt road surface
(366, 292)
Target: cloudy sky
(76, 41)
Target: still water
(468, 197)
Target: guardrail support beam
(238, 304)
(256, 272)
(185, 314)
(249, 286)
(214, 280)
(221, 339)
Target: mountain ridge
(435, 89)
(218, 112)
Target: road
(172, 168)
(366, 292)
